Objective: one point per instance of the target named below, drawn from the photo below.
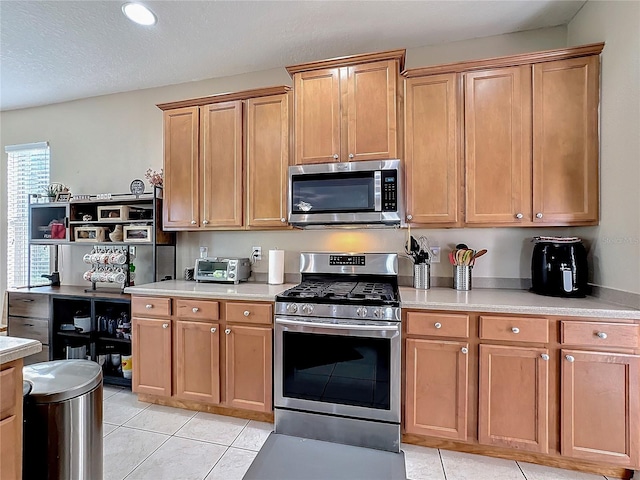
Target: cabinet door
(221, 165)
(372, 130)
(514, 398)
(181, 192)
(431, 149)
(565, 141)
(498, 146)
(151, 349)
(600, 398)
(317, 116)
(11, 448)
(267, 160)
(248, 367)
(197, 361)
(436, 397)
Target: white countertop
(511, 301)
(13, 348)
(182, 288)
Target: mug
(86, 218)
(87, 258)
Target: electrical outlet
(256, 253)
(204, 252)
(435, 258)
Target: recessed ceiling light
(138, 13)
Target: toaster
(224, 270)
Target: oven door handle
(338, 326)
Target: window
(27, 173)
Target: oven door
(338, 366)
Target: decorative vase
(117, 235)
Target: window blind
(27, 173)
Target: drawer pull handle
(148, 306)
(464, 350)
(165, 325)
(570, 358)
(227, 331)
(28, 325)
(601, 335)
(213, 330)
(545, 357)
(438, 325)
(195, 309)
(515, 329)
(247, 313)
(27, 300)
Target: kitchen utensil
(479, 253)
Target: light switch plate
(435, 258)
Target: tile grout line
(145, 458)
(521, 470)
(444, 472)
(214, 465)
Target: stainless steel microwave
(346, 194)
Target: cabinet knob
(165, 325)
(409, 217)
(351, 155)
(438, 325)
(214, 330)
(283, 220)
(539, 215)
(515, 329)
(544, 356)
(519, 215)
(227, 331)
(336, 156)
(195, 309)
(247, 313)
(570, 358)
(205, 222)
(601, 335)
(464, 350)
(193, 222)
(148, 306)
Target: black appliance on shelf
(559, 267)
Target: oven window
(333, 193)
(337, 369)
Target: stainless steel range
(338, 351)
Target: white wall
(100, 144)
(616, 241)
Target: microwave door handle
(377, 190)
(567, 280)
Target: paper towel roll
(276, 267)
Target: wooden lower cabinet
(11, 420)
(600, 400)
(151, 348)
(513, 405)
(197, 361)
(249, 367)
(437, 388)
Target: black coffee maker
(559, 267)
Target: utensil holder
(462, 277)
(422, 276)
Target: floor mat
(283, 457)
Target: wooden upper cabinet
(221, 164)
(432, 162)
(513, 409)
(317, 116)
(151, 347)
(346, 109)
(267, 160)
(565, 141)
(600, 398)
(181, 185)
(498, 146)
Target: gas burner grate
(343, 291)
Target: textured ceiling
(54, 51)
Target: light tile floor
(144, 441)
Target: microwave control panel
(389, 191)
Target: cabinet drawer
(33, 328)
(514, 329)
(437, 324)
(7, 391)
(250, 313)
(600, 334)
(150, 306)
(28, 305)
(197, 309)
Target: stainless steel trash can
(63, 421)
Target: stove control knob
(292, 308)
(377, 313)
(306, 308)
(361, 312)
